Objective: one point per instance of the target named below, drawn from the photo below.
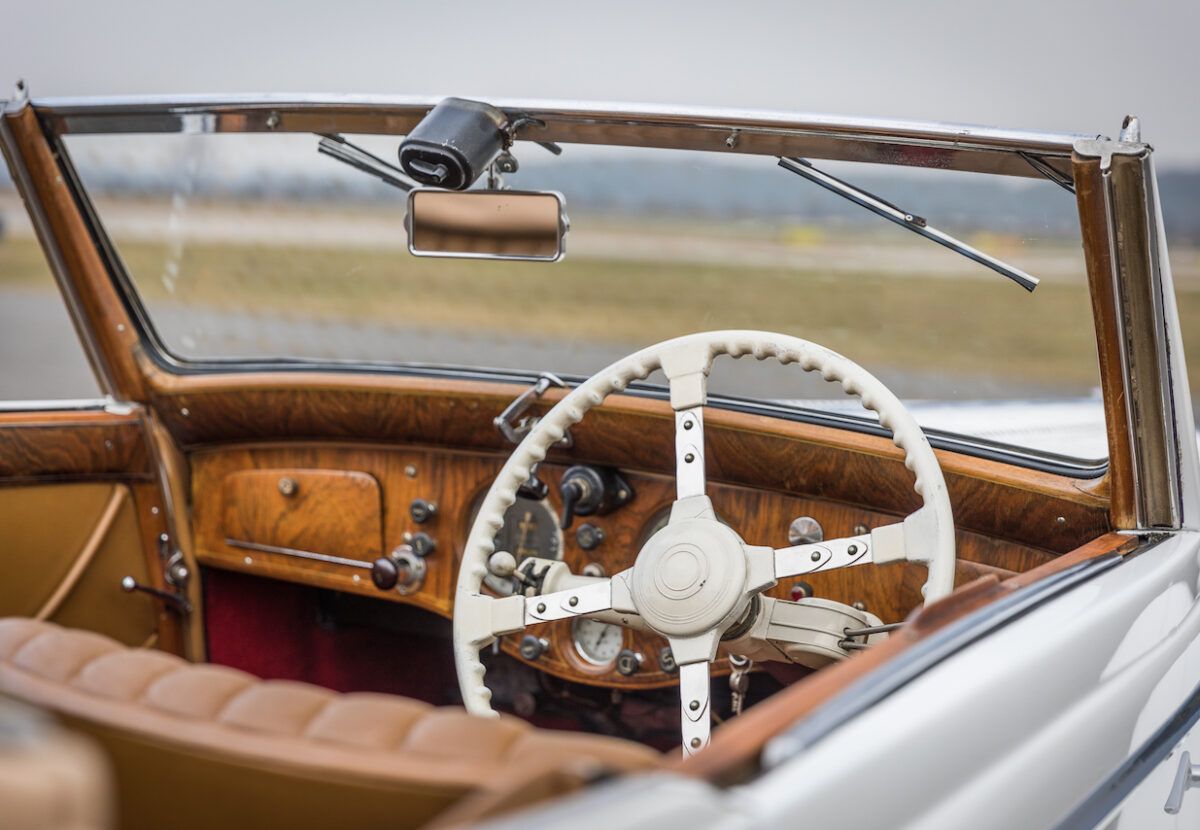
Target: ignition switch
(588, 490)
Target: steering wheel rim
(686, 361)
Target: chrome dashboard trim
(298, 554)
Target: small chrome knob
(805, 530)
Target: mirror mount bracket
(507, 423)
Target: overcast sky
(1016, 63)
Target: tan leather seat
(204, 745)
(50, 779)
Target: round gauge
(597, 642)
(530, 529)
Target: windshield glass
(254, 246)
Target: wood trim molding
(1089, 189)
(59, 446)
(174, 474)
(107, 325)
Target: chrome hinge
(507, 421)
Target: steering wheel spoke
(696, 710)
(571, 602)
(689, 453)
(828, 555)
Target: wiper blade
(337, 147)
(904, 219)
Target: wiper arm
(904, 219)
(335, 146)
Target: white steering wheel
(695, 578)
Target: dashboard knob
(402, 570)
(589, 536)
(422, 510)
(502, 563)
(666, 660)
(533, 647)
(628, 662)
(423, 544)
(385, 573)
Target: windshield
(254, 246)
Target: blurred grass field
(969, 325)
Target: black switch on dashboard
(422, 510)
(423, 544)
(588, 490)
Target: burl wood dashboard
(260, 508)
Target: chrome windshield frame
(988, 150)
(755, 132)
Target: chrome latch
(507, 421)
(177, 601)
(1186, 777)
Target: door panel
(67, 548)
(80, 509)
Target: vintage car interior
(298, 590)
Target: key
(739, 681)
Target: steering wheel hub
(690, 578)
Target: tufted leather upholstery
(361, 759)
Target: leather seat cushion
(221, 713)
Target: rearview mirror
(487, 224)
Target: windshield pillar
(1152, 437)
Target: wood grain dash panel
(335, 512)
(455, 480)
(991, 498)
